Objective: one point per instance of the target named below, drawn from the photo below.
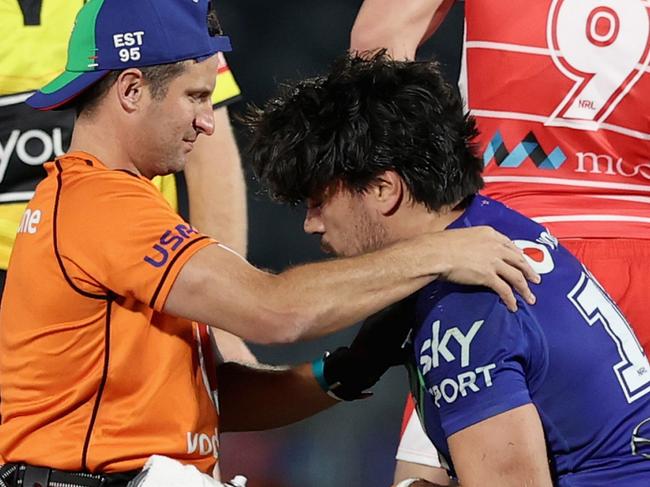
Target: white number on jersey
(595, 306)
(603, 46)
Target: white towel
(162, 471)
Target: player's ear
(129, 88)
(387, 192)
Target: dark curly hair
(368, 115)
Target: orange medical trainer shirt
(93, 376)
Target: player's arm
(232, 348)
(399, 27)
(218, 287)
(426, 475)
(290, 394)
(507, 450)
(493, 431)
(511, 448)
(216, 187)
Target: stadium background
(351, 444)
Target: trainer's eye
(199, 96)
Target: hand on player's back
(482, 256)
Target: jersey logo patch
(528, 148)
(450, 388)
(169, 242)
(438, 347)
(537, 255)
(203, 444)
(30, 220)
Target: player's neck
(413, 220)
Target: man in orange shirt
(102, 360)
(28, 138)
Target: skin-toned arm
(289, 394)
(217, 200)
(507, 450)
(216, 187)
(232, 348)
(400, 27)
(429, 475)
(218, 287)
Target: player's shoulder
(514, 225)
(461, 346)
(485, 211)
(441, 299)
(453, 311)
(471, 318)
(541, 248)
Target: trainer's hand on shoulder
(484, 257)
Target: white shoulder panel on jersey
(415, 446)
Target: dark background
(352, 444)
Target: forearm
(216, 186)
(325, 297)
(220, 288)
(399, 27)
(328, 296)
(259, 398)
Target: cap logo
(129, 44)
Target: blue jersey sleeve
(474, 355)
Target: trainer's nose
(204, 121)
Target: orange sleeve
(117, 234)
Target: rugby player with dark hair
(554, 394)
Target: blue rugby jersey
(572, 355)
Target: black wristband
(343, 376)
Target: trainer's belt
(21, 475)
